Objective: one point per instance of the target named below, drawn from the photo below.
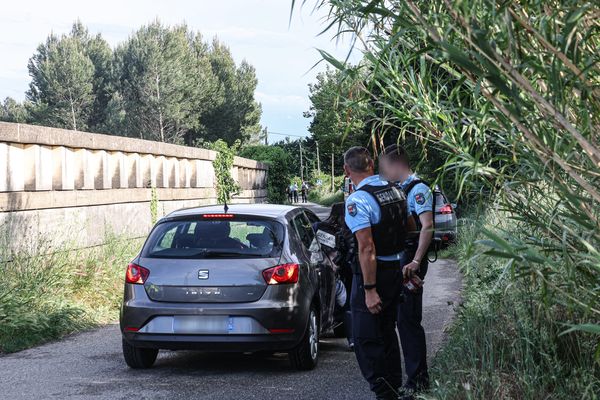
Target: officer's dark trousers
(412, 336)
(375, 339)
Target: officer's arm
(425, 235)
(367, 256)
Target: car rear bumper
(219, 343)
(266, 324)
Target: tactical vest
(389, 234)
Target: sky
(258, 31)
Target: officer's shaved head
(396, 154)
(358, 159)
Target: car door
(319, 262)
(328, 274)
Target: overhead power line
(287, 134)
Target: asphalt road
(89, 365)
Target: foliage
(235, 115)
(154, 202)
(279, 169)
(164, 83)
(325, 198)
(158, 82)
(335, 113)
(48, 293)
(223, 163)
(13, 111)
(324, 194)
(68, 85)
(499, 347)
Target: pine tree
(13, 111)
(158, 83)
(70, 80)
(235, 114)
(61, 90)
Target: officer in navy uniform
(376, 214)
(395, 166)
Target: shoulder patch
(420, 198)
(352, 210)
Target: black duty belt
(389, 264)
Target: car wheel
(306, 355)
(137, 357)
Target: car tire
(305, 356)
(137, 357)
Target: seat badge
(203, 274)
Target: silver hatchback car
(250, 278)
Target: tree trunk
(160, 116)
(72, 111)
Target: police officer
(376, 214)
(395, 166)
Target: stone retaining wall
(74, 187)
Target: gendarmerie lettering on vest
(389, 234)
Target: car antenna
(225, 208)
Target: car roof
(264, 210)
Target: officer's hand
(410, 269)
(373, 301)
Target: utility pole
(318, 161)
(332, 175)
(301, 162)
(266, 136)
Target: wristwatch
(369, 287)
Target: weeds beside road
(45, 295)
(506, 341)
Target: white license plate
(201, 324)
(443, 218)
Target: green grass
(506, 342)
(44, 296)
(325, 198)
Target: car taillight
(285, 273)
(447, 209)
(136, 274)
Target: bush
(44, 296)
(279, 169)
(226, 185)
(504, 343)
(326, 199)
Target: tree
(338, 121)
(235, 114)
(13, 111)
(280, 169)
(61, 90)
(158, 83)
(69, 87)
(100, 54)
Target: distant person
(304, 191)
(290, 193)
(295, 192)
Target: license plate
(201, 324)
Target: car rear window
(203, 237)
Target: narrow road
(89, 365)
